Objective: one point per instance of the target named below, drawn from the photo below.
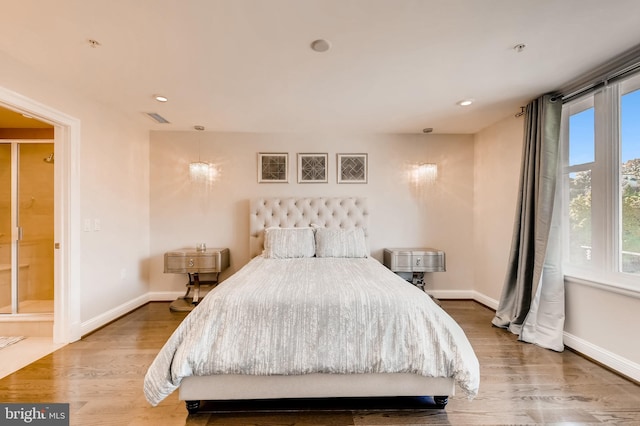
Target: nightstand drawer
(212, 260)
(414, 260)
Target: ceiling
(395, 66)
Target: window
(630, 179)
(601, 184)
(581, 152)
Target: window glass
(581, 137)
(630, 182)
(580, 217)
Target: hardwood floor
(101, 378)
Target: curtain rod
(615, 69)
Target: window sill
(627, 287)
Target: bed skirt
(232, 387)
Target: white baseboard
(464, 295)
(451, 294)
(615, 362)
(112, 314)
(164, 296)
(485, 300)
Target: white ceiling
(245, 65)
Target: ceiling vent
(157, 118)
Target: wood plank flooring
(101, 378)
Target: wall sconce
(201, 171)
(423, 174)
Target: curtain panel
(532, 301)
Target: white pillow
(285, 243)
(341, 243)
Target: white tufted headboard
(334, 212)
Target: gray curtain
(532, 301)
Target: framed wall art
(312, 168)
(352, 168)
(273, 167)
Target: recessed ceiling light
(465, 102)
(160, 98)
(320, 45)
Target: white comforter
(314, 315)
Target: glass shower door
(6, 209)
(26, 227)
(35, 224)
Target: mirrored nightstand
(209, 262)
(416, 261)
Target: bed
(312, 315)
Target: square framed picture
(352, 168)
(312, 168)
(273, 167)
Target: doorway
(66, 311)
(27, 228)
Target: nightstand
(193, 263)
(417, 261)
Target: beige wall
(497, 159)
(605, 319)
(114, 173)
(182, 215)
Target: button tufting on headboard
(338, 212)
